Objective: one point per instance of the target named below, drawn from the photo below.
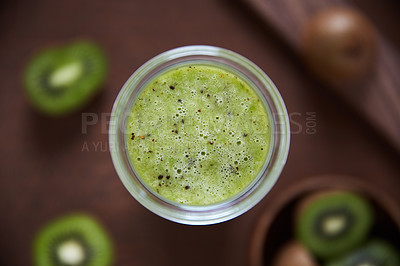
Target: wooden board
(378, 97)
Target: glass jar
(262, 183)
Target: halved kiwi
(73, 240)
(62, 79)
(331, 223)
(374, 253)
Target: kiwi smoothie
(198, 135)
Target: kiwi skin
(359, 215)
(376, 252)
(60, 98)
(340, 45)
(294, 254)
(80, 227)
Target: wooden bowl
(275, 226)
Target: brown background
(44, 172)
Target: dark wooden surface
(45, 173)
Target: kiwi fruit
(294, 254)
(339, 45)
(376, 252)
(73, 240)
(330, 223)
(60, 80)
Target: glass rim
(220, 211)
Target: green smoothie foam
(198, 135)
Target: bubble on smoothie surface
(198, 135)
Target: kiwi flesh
(61, 80)
(376, 252)
(294, 254)
(333, 222)
(73, 240)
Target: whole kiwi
(294, 253)
(339, 45)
